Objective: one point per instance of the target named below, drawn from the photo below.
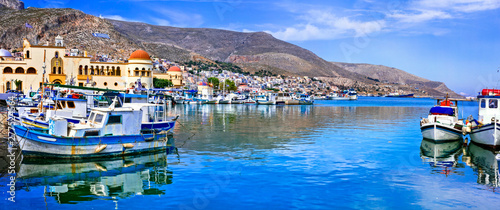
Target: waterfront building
(63, 66)
(173, 74)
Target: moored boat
(112, 131)
(442, 123)
(486, 130)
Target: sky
(453, 41)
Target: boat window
(483, 103)
(71, 104)
(98, 118)
(91, 117)
(59, 106)
(493, 103)
(63, 104)
(114, 119)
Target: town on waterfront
(242, 105)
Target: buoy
(128, 145)
(100, 148)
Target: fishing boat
(305, 100)
(486, 130)
(269, 99)
(112, 131)
(397, 95)
(442, 123)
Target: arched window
(86, 68)
(102, 70)
(91, 70)
(19, 70)
(8, 85)
(59, 70)
(7, 70)
(113, 71)
(143, 69)
(27, 54)
(107, 71)
(56, 54)
(80, 70)
(118, 72)
(31, 70)
(54, 70)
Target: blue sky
(454, 41)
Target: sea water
(359, 154)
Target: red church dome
(174, 68)
(139, 55)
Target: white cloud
(161, 22)
(115, 17)
(419, 16)
(179, 19)
(460, 5)
(321, 25)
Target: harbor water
(359, 154)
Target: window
(19, 70)
(114, 119)
(31, 70)
(136, 73)
(71, 104)
(105, 84)
(80, 70)
(7, 70)
(59, 70)
(54, 70)
(98, 118)
(116, 83)
(63, 104)
(493, 104)
(8, 85)
(57, 54)
(91, 117)
(80, 84)
(27, 54)
(118, 73)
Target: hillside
(251, 51)
(392, 75)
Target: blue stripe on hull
(31, 154)
(167, 125)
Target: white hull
(439, 132)
(488, 135)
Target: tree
(214, 81)
(162, 83)
(229, 85)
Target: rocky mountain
(251, 51)
(397, 76)
(12, 4)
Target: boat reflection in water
(443, 156)
(73, 182)
(485, 163)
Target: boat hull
(35, 143)
(487, 135)
(439, 132)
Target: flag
(28, 25)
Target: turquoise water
(335, 154)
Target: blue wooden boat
(112, 131)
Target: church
(55, 65)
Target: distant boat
(397, 95)
(442, 123)
(269, 99)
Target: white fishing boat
(269, 99)
(112, 131)
(442, 123)
(306, 100)
(486, 130)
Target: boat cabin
(488, 105)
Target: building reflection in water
(76, 181)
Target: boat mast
(43, 86)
